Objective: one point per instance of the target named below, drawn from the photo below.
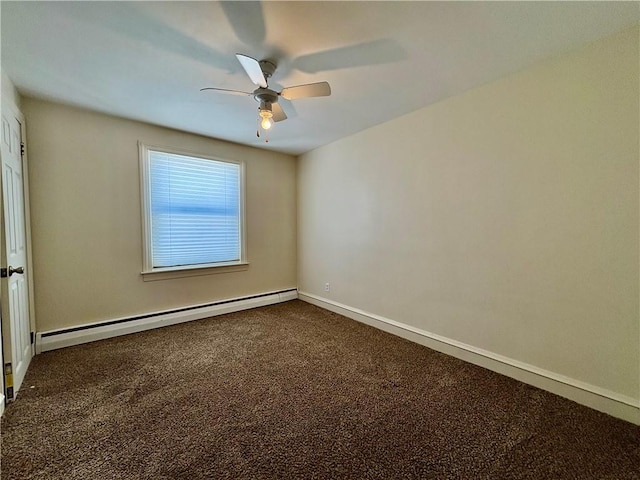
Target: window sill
(169, 273)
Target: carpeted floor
(292, 391)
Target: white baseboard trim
(90, 332)
(603, 400)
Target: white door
(16, 249)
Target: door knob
(15, 270)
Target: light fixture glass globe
(266, 123)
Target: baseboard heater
(90, 332)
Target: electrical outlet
(327, 287)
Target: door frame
(14, 110)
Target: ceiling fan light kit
(265, 112)
(270, 110)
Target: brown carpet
(292, 391)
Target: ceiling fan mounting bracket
(268, 68)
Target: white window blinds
(195, 210)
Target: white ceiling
(148, 60)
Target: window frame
(161, 273)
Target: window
(192, 211)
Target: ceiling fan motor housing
(265, 95)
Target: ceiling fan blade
(278, 112)
(252, 67)
(224, 90)
(320, 89)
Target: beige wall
(86, 221)
(505, 218)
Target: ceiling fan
(270, 110)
